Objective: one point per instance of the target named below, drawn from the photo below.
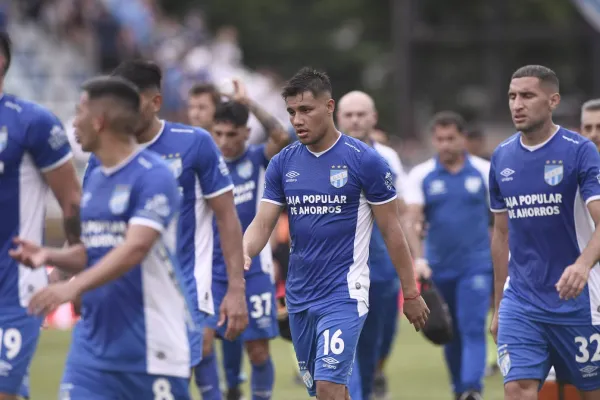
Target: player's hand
(572, 281)
(416, 312)
(494, 327)
(29, 253)
(422, 268)
(49, 298)
(235, 312)
(240, 94)
(247, 263)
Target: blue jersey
(32, 139)
(456, 210)
(138, 322)
(380, 264)
(328, 196)
(248, 175)
(545, 190)
(197, 164)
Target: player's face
(531, 104)
(590, 126)
(449, 143)
(230, 139)
(150, 103)
(357, 119)
(310, 116)
(86, 129)
(201, 110)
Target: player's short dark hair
(307, 80)
(206, 88)
(142, 73)
(6, 49)
(474, 133)
(591, 105)
(123, 96)
(232, 112)
(544, 74)
(448, 118)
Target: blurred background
(415, 57)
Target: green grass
(416, 370)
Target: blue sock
(206, 376)
(262, 380)
(232, 361)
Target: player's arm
(67, 261)
(278, 137)
(258, 233)
(415, 220)
(230, 232)
(499, 249)
(65, 186)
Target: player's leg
(338, 329)
(472, 305)
(262, 327)
(371, 336)
(390, 329)
(452, 350)
(304, 338)
(206, 374)
(523, 352)
(232, 352)
(19, 336)
(575, 353)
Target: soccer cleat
(471, 395)
(380, 388)
(234, 394)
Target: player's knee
(258, 351)
(330, 391)
(207, 342)
(4, 396)
(521, 390)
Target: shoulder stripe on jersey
(377, 203)
(147, 222)
(568, 139)
(272, 202)
(593, 198)
(509, 141)
(497, 211)
(219, 192)
(59, 163)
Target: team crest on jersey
(472, 184)
(120, 199)
(3, 139)
(553, 172)
(338, 176)
(244, 169)
(175, 165)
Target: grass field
(415, 372)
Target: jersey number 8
(261, 305)
(335, 344)
(162, 390)
(584, 354)
(10, 342)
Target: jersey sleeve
(211, 169)
(89, 167)
(588, 172)
(47, 141)
(413, 188)
(377, 179)
(157, 199)
(497, 203)
(273, 192)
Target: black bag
(283, 319)
(438, 329)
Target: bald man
(357, 117)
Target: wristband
(421, 260)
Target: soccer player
(449, 193)
(247, 165)
(333, 186)
(357, 116)
(590, 121)
(34, 156)
(132, 339)
(207, 190)
(203, 99)
(544, 187)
